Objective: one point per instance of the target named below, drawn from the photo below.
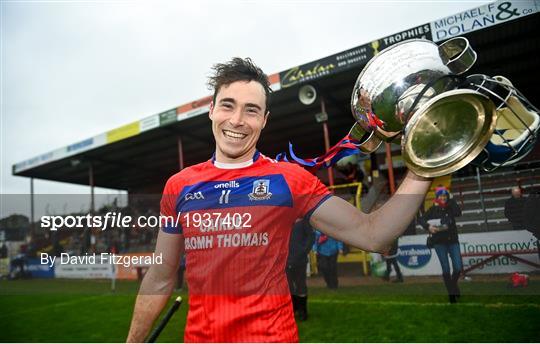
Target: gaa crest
(261, 190)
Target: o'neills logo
(414, 256)
(233, 184)
(297, 74)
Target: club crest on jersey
(261, 190)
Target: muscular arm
(157, 286)
(376, 231)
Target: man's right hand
(157, 286)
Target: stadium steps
(501, 190)
(477, 226)
(501, 174)
(474, 203)
(478, 214)
(480, 226)
(476, 211)
(496, 190)
(500, 187)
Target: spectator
(440, 221)
(113, 248)
(4, 260)
(352, 172)
(513, 208)
(302, 239)
(18, 265)
(391, 260)
(327, 250)
(3, 250)
(531, 218)
(57, 248)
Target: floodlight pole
(180, 153)
(327, 142)
(91, 183)
(32, 205)
(481, 192)
(390, 165)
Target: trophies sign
(416, 91)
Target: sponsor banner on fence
(4, 266)
(481, 17)
(38, 270)
(123, 266)
(416, 258)
(82, 270)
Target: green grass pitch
(87, 311)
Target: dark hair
(239, 69)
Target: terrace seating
(496, 188)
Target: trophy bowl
(403, 77)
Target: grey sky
(71, 70)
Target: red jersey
(236, 220)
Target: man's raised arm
(375, 231)
(157, 285)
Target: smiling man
(236, 213)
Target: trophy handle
(457, 54)
(369, 142)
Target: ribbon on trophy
(345, 147)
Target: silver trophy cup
(411, 91)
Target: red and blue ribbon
(345, 147)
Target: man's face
(516, 192)
(238, 116)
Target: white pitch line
(429, 304)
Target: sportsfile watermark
(108, 220)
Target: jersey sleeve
(169, 217)
(309, 194)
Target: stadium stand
(495, 190)
(140, 156)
